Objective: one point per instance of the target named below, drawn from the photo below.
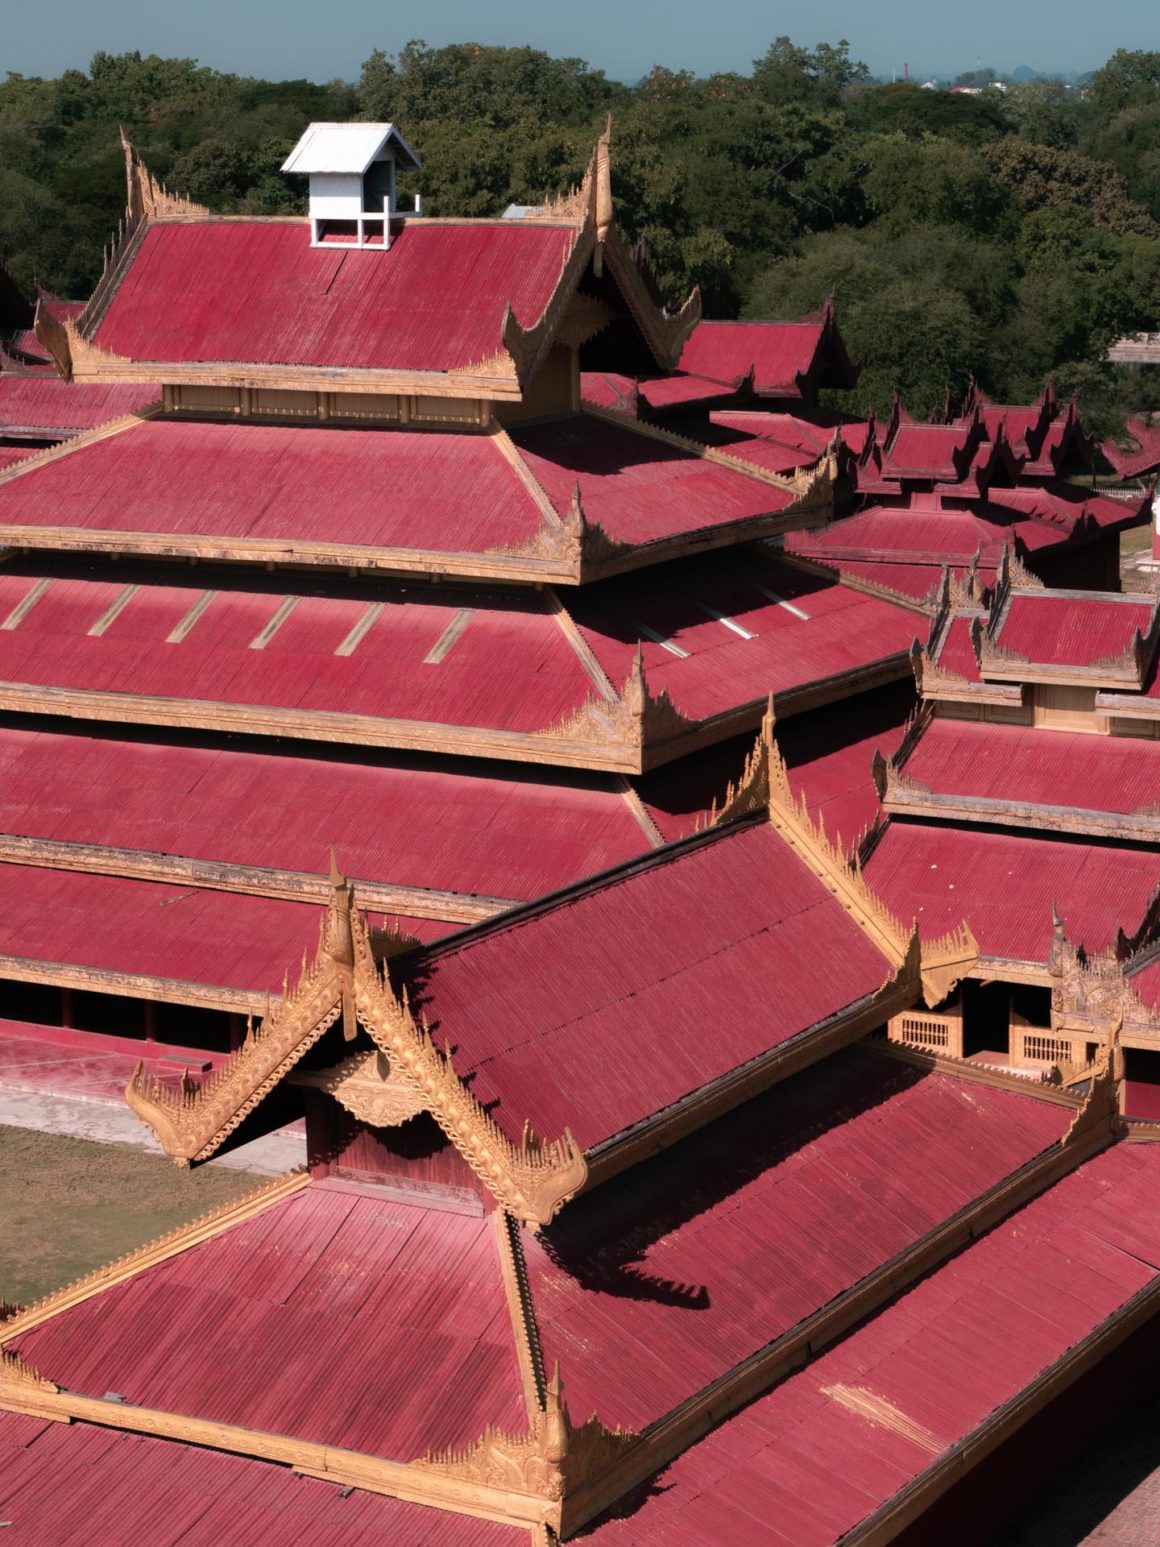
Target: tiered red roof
(37, 408)
(1145, 459)
(257, 291)
(788, 359)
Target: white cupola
(352, 169)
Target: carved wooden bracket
(532, 1179)
(751, 792)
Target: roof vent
(352, 169)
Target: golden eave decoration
(532, 1179)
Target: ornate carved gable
(532, 1179)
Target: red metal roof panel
(253, 290)
(937, 1363)
(636, 487)
(47, 403)
(507, 664)
(427, 490)
(738, 628)
(1004, 883)
(158, 930)
(1022, 765)
(74, 1485)
(615, 1032)
(1071, 630)
(411, 822)
(343, 1319)
(656, 1283)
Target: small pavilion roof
(346, 147)
(788, 359)
(1004, 884)
(1074, 634)
(836, 1445)
(1029, 777)
(656, 395)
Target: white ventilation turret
(352, 181)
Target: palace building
(725, 1037)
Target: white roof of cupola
(348, 148)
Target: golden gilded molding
(937, 965)
(751, 792)
(20, 1379)
(533, 1179)
(634, 720)
(367, 1087)
(570, 540)
(528, 346)
(147, 198)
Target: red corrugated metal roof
(410, 822)
(344, 1319)
(1069, 630)
(1146, 457)
(1069, 506)
(955, 651)
(79, 1486)
(805, 628)
(643, 962)
(253, 290)
(510, 667)
(1004, 884)
(153, 929)
(830, 754)
(1021, 765)
(805, 1464)
(927, 450)
(658, 1282)
(923, 582)
(809, 432)
(637, 488)
(610, 389)
(445, 492)
(75, 1485)
(892, 532)
(778, 352)
(48, 404)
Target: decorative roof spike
(751, 792)
(145, 197)
(602, 196)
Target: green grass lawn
(68, 1205)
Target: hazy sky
(283, 39)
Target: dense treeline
(1011, 234)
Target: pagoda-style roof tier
(417, 835)
(1005, 884)
(159, 940)
(563, 503)
(791, 359)
(1027, 776)
(43, 407)
(446, 309)
(859, 1443)
(634, 673)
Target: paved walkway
(79, 1090)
